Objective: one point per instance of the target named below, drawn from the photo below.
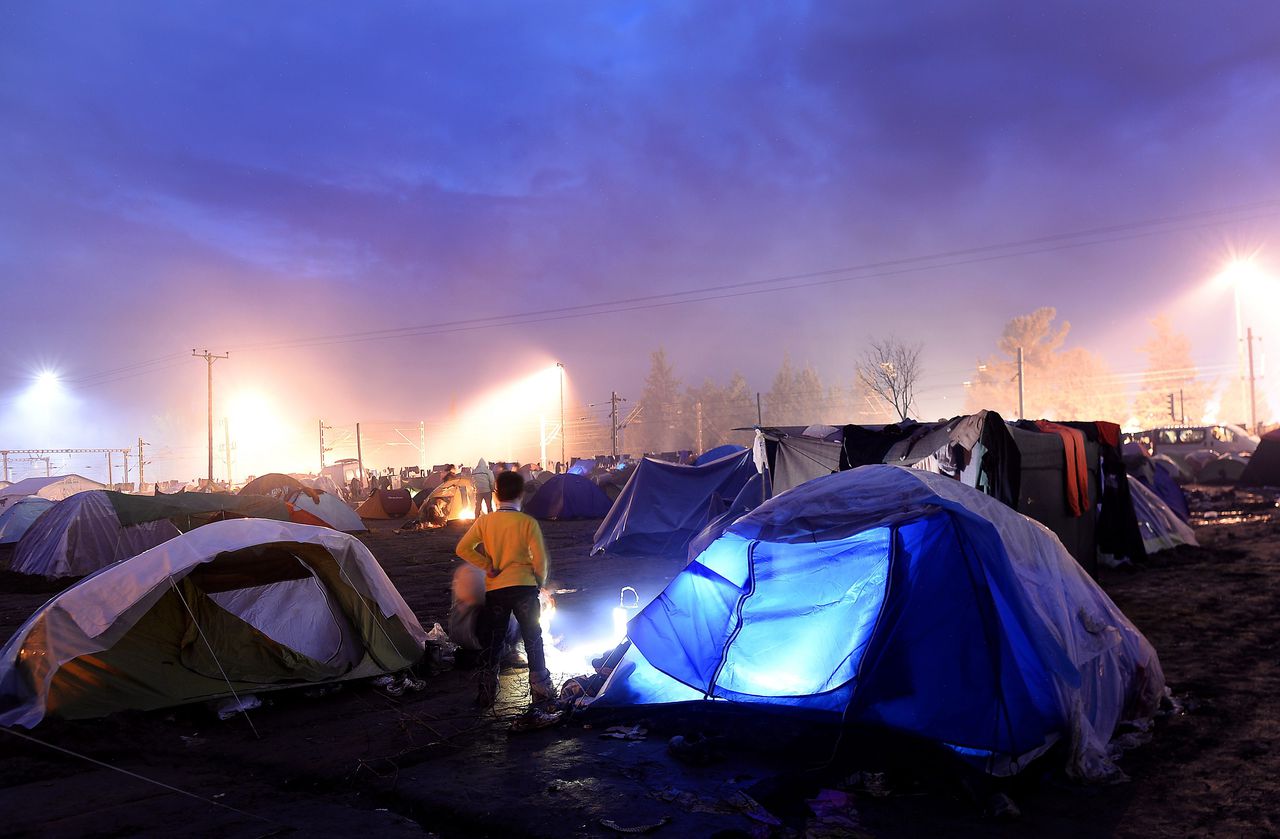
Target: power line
(873, 270)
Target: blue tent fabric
(717, 453)
(664, 505)
(568, 496)
(19, 516)
(1162, 484)
(903, 599)
(754, 493)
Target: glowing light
(259, 436)
(622, 613)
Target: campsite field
(427, 763)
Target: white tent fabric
(82, 534)
(1160, 526)
(331, 510)
(312, 627)
(99, 611)
(55, 489)
(18, 517)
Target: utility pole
(209, 358)
(1182, 406)
(759, 412)
(226, 430)
(422, 446)
(360, 456)
(614, 399)
(111, 481)
(322, 448)
(125, 452)
(141, 463)
(1253, 401)
(698, 409)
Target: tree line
(1059, 382)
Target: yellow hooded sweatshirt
(512, 547)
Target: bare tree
(890, 368)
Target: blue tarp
(664, 505)
(717, 453)
(568, 497)
(892, 597)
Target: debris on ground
(232, 705)
(835, 814)
(535, 718)
(640, 828)
(697, 749)
(622, 732)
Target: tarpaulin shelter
(1264, 463)
(664, 505)
(189, 510)
(386, 504)
(900, 599)
(568, 496)
(83, 533)
(55, 488)
(236, 607)
(976, 449)
(18, 517)
(1161, 528)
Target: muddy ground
(428, 763)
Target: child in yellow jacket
(508, 546)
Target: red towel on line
(1077, 464)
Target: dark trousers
(499, 605)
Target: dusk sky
(279, 180)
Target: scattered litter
(697, 749)
(231, 706)
(874, 784)
(438, 635)
(536, 718)
(1003, 809)
(192, 741)
(751, 808)
(622, 732)
(692, 803)
(321, 690)
(640, 828)
(834, 815)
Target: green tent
(238, 606)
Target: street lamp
(1239, 273)
(561, 366)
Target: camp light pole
(561, 366)
(209, 359)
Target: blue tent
(901, 599)
(717, 453)
(664, 505)
(19, 516)
(568, 497)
